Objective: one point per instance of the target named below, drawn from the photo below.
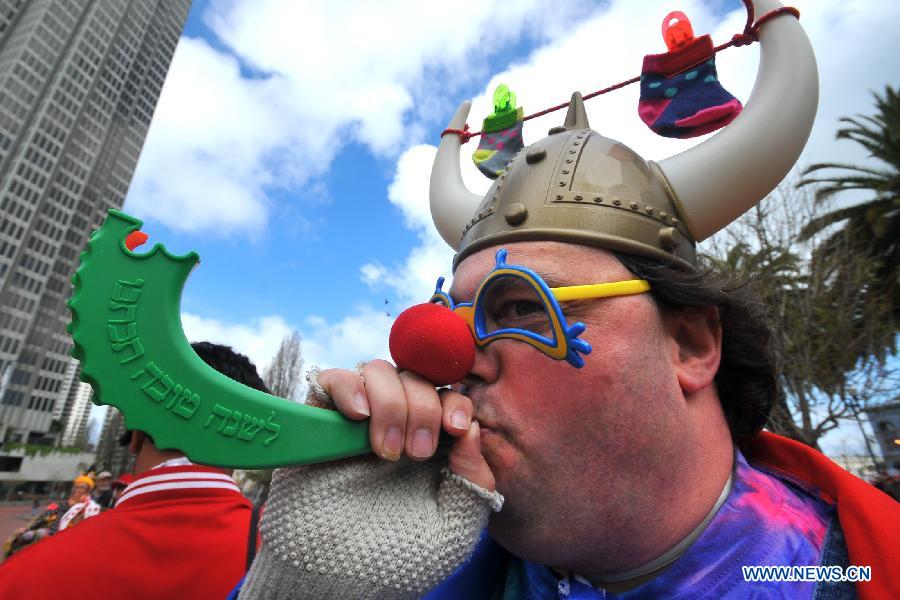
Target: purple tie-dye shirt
(764, 521)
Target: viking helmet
(579, 187)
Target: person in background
(119, 485)
(103, 494)
(80, 509)
(48, 522)
(178, 530)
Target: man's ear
(697, 349)
(137, 440)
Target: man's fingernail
(361, 404)
(459, 419)
(393, 443)
(422, 443)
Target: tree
(283, 376)
(874, 224)
(825, 330)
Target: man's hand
(407, 415)
(370, 528)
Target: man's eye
(517, 313)
(521, 308)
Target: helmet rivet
(674, 221)
(579, 197)
(559, 196)
(516, 213)
(562, 184)
(568, 160)
(598, 199)
(669, 238)
(649, 210)
(617, 202)
(571, 152)
(663, 216)
(534, 155)
(576, 143)
(634, 206)
(565, 171)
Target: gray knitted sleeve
(365, 528)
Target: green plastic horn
(127, 331)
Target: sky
(292, 143)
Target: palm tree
(821, 324)
(874, 224)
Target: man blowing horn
(616, 399)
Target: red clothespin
(677, 30)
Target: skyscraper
(110, 454)
(73, 409)
(79, 81)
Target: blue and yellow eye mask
(513, 302)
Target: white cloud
(202, 168)
(326, 75)
(858, 52)
(259, 339)
(372, 273)
(413, 280)
(409, 189)
(362, 335)
(365, 62)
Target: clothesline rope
(749, 35)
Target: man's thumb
(466, 460)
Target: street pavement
(13, 516)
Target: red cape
(869, 517)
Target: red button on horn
(135, 239)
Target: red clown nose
(434, 342)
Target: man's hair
(227, 362)
(747, 380)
